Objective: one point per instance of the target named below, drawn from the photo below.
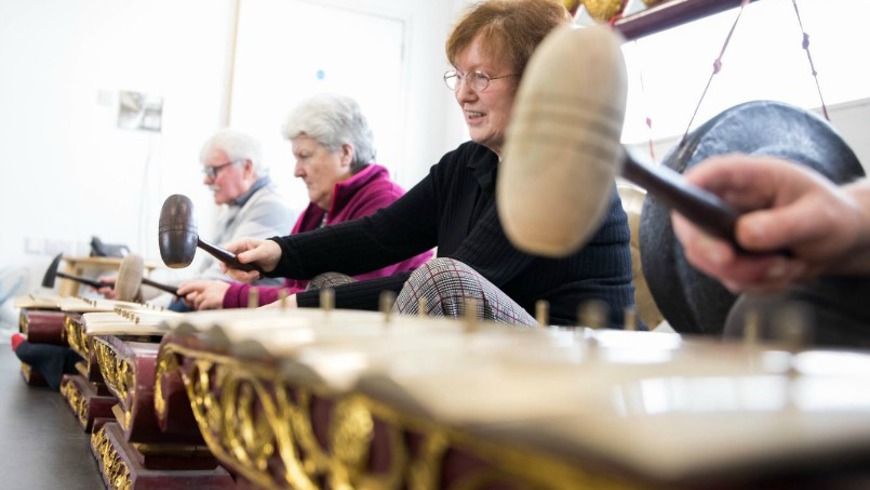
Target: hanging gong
(691, 301)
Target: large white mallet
(562, 149)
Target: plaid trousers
(446, 285)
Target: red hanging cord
(806, 46)
(648, 119)
(619, 14)
(717, 66)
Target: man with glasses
(249, 202)
(250, 205)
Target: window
(667, 71)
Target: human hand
(108, 288)
(787, 207)
(203, 295)
(265, 253)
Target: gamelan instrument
(313, 398)
(347, 399)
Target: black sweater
(454, 209)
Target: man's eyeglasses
(212, 172)
(475, 80)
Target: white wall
(70, 173)
(850, 119)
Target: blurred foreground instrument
(359, 399)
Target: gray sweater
(260, 213)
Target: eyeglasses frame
(212, 172)
(454, 74)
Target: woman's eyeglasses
(475, 80)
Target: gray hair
(238, 146)
(333, 120)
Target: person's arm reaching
(203, 294)
(265, 253)
(798, 224)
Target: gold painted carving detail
(116, 473)
(261, 424)
(118, 373)
(76, 401)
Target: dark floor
(42, 446)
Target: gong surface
(691, 301)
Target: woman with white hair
(334, 150)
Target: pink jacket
(361, 195)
